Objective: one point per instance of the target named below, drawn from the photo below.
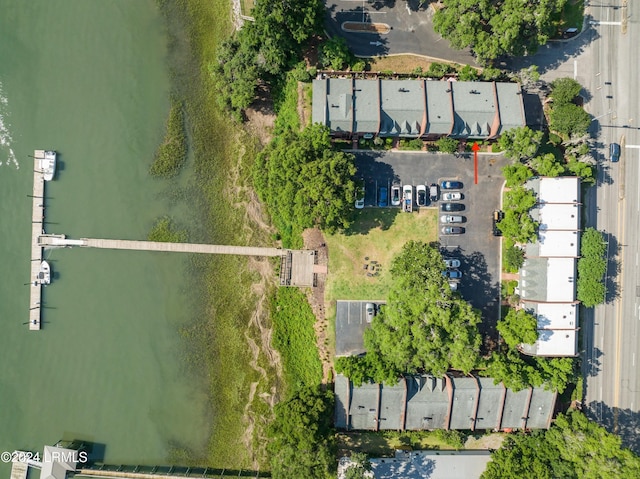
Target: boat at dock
(44, 276)
(48, 164)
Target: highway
(610, 333)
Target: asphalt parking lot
(477, 248)
(411, 29)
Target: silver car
(451, 219)
(370, 310)
(452, 263)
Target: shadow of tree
(623, 422)
(613, 269)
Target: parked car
(451, 207)
(421, 195)
(453, 285)
(433, 192)
(452, 273)
(614, 152)
(451, 185)
(395, 195)
(452, 263)
(360, 197)
(407, 198)
(383, 196)
(452, 230)
(451, 219)
(454, 196)
(370, 310)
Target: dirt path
(313, 239)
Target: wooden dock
(19, 470)
(180, 247)
(37, 219)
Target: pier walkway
(129, 472)
(37, 218)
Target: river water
(89, 79)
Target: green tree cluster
(564, 90)
(513, 257)
(566, 117)
(447, 144)
(304, 182)
(263, 50)
(492, 28)
(301, 438)
(592, 267)
(548, 165)
(516, 174)
(422, 328)
(573, 448)
(359, 467)
(520, 143)
(517, 225)
(335, 53)
(438, 70)
(517, 327)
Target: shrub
(513, 258)
(438, 70)
(447, 144)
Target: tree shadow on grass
(372, 218)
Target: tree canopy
(516, 174)
(424, 327)
(264, 49)
(517, 327)
(564, 90)
(492, 28)
(548, 165)
(305, 182)
(517, 224)
(569, 119)
(573, 448)
(302, 443)
(592, 267)
(520, 143)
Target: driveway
(411, 29)
(477, 248)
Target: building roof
(555, 243)
(563, 189)
(553, 343)
(557, 216)
(414, 108)
(426, 465)
(422, 402)
(548, 280)
(57, 461)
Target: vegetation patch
(366, 27)
(592, 266)
(164, 231)
(295, 339)
(375, 235)
(172, 152)
(385, 443)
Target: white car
(360, 198)
(395, 195)
(370, 310)
(452, 263)
(407, 198)
(454, 196)
(450, 219)
(453, 285)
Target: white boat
(44, 275)
(48, 164)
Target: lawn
(374, 239)
(399, 63)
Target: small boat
(48, 164)
(44, 275)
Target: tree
(423, 327)
(572, 448)
(592, 267)
(305, 182)
(569, 119)
(517, 327)
(359, 467)
(447, 144)
(520, 143)
(335, 53)
(513, 258)
(518, 226)
(516, 174)
(467, 73)
(301, 438)
(494, 28)
(564, 90)
(438, 70)
(547, 165)
(583, 170)
(519, 199)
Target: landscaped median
(365, 27)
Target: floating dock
(37, 222)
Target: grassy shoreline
(221, 341)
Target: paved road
(612, 342)
(411, 29)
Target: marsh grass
(165, 231)
(216, 344)
(172, 152)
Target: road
(612, 343)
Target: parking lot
(477, 248)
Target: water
(89, 79)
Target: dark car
(614, 152)
(452, 230)
(498, 216)
(452, 273)
(382, 197)
(451, 207)
(451, 185)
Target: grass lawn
(377, 234)
(246, 6)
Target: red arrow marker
(475, 149)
